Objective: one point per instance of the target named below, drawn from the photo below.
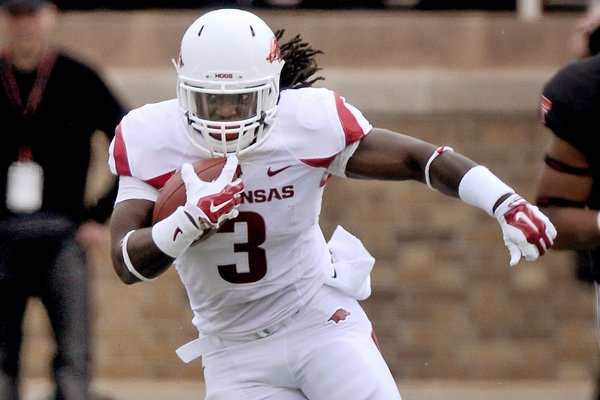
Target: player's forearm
(446, 172)
(137, 258)
(577, 227)
(388, 155)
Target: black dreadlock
(300, 64)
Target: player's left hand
(526, 231)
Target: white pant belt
(194, 349)
(207, 343)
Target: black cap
(23, 6)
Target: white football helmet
(228, 80)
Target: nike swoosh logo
(521, 216)
(176, 233)
(273, 172)
(213, 208)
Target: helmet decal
(274, 53)
(223, 75)
(180, 59)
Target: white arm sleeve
(479, 187)
(133, 188)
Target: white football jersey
(264, 265)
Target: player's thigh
(337, 356)
(348, 369)
(257, 392)
(226, 380)
(254, 370)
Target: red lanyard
(37, 91)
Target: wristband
(480, 188)
(510, 202)
(435, 155)
(128, 262)
(174, 234)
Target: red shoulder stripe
(352, 129)
(159, 181)
(120, 154)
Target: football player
(569, 184)
(275, 304)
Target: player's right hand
(526, 231)
(212, 203)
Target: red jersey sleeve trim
(319, 162)
(352, 129)
(120, 154)
(159, 181)
(122, 162)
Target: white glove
(526, 231)
(212, 203)
(208, 205)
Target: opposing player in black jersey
(569, 187)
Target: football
(172, 194)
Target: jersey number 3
(257, 259)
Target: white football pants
(325, 353)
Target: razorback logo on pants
(339, 315)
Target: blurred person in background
(585, 41)
(569, 186)
(50, 107)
